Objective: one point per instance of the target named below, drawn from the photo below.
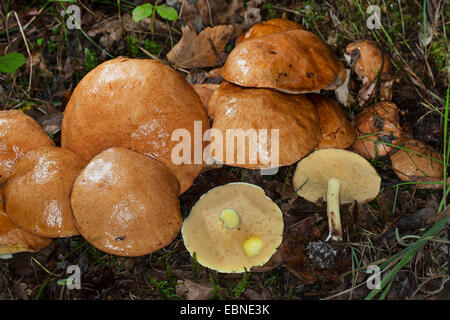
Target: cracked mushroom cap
(367, 60)
(126, 204)
(37, 194)
(295, 61)
(221, 248)
(415, 161)
(375, 125)
(253, 112)
(137, 104)
(13, 239)
(269, 27)
(358, 179)
(19, 134)
(337, 131)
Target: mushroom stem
(333, 212)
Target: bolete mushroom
(261, 128)
(269, 27)
(233, 228)
(295, 61)
(205, 91)
(378, 128)
(371, 65)
(136, 104)
(126, 204)
(13, 239)
(37, 194)
(337, 176)
(19, 134)
(337, 131)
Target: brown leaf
(202, 50)
(194, 291)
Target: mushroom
(269, 27)
(295, 61)
(205, 91)
(378, 128)
(337, 131)
(250, 111)
(13, 239)
(417, 161)
(137, 104)
(371, 65)
(37, 194)
(338, 176)
(233, 228)
(19, 134)
(126, 204)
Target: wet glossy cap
(358, 179)
(126, 204)
(240, 112)
(337, 131)
(37, 194)
(295, 61)
(269, 27)
(137, 104)
(19, 134)
(227, 249)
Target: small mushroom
(295, 61)
(13, 239)
(337, 131)
(126, 204)
(19, 134)
(415, 161)
(233, 228)
(337, 176)
(251, 110)
(38, 191)
(269, 27)
(378, 128)
(371, 65)
(137, 104)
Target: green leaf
(10, 62)
(143, 11)
(168, 13)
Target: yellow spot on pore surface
(230, 218)
(252, 245)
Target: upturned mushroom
(337, 176)
(416, 161)
(372, 66)
(37, 195)
(136, 104)
(295, 61)
(233, 228)
(269, 27)
(13, 239)
(261, 128)
(125, 203)
(19, 134)
(378, 129)
(337, 131)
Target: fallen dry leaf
(200, 50)
(194, 291)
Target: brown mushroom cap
(126, 204)
(368, 60)
(19, 134)
(295, 117)
(358, 179)
(337, 131)
(205, 91)
(137, 104)
(13, 239)
(378, 123)
(415, 160)
(295, 61)
(269, 27)
(220, 248)
(37, 194)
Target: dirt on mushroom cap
(220, 248)
(126, 204)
